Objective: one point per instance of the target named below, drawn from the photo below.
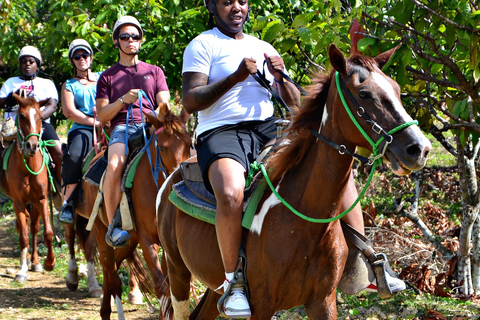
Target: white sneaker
(236, 305)
(395, 284)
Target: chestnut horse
(171, 145)
(85, 239)
(25, 180)
(292, 261)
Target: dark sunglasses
(83, 55)
(126, 36)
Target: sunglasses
(83, 55)
(126, 36)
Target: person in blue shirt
(78, 105)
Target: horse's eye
(162, 149)
(364, 95)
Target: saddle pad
(95, 172)
(131, 168)
(87, 160)
(192, 177)
(6, 156)
(185, 200)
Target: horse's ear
(356, 33)
(337, 59)
(153, 119)
(17, 97)
(383, 58)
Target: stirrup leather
(378, 261)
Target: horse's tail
(141, 274)
(81, 231)
(166, 307)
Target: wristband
(121, 100)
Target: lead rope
(375, 160)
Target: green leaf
(302, 19)
(364, 43)
(273, 30)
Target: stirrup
(239, 281)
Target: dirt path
(45, 295)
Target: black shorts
(48, 132)
(242, 142)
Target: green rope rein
(374, 160)
(45, 158)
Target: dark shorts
(80, 142)
(48, 132)
(242, 142)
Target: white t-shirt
(41, 89)
(218, 56)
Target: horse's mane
(171, 122)
(298, 139)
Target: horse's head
(29, 124)
(173, 139)
(374, 101)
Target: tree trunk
(469, 191)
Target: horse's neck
(318, 183)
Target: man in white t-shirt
(235, 121)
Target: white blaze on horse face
(33, 112)
(269, 203)
(383, 83)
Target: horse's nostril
(414, 151)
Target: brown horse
(172, 146)
(292, 261)
(26, 182)
(85, 239)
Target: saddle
(95, 173)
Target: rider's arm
(198, 95)
(49, 108)
(161, 98)
(70, 110)
(287, 90)
(106, 111)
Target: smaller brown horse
(171, 145)
(25, 180)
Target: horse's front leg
(34, 229)
(50, 261)
(22, 220)
(150, 254)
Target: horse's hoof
(135, 297)
(49, 266)
(20, 278)
(71, 286)
(36, 268)
(95, 293)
